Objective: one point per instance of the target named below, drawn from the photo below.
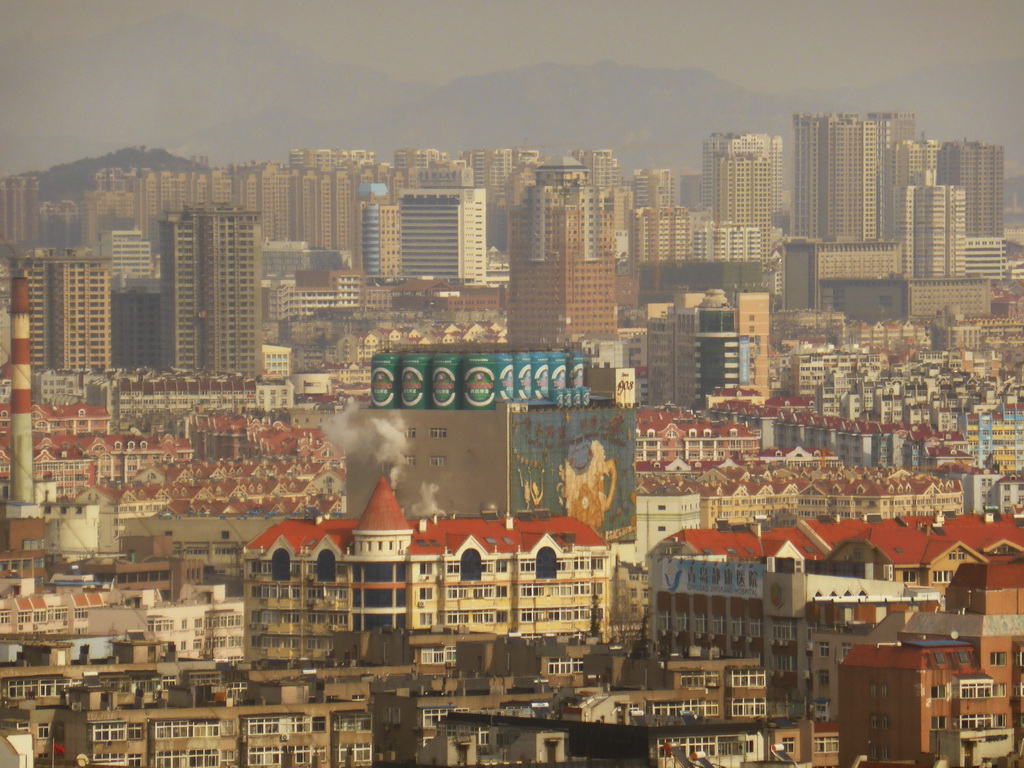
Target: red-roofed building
(666, 436)
(921, 699)
(532, 574)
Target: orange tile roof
(383, 512)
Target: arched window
(470, 565)
(547, 564)
(326, 566)
(281, 565)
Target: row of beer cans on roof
(450, 382)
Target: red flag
(58, 749)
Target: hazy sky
(761, 44)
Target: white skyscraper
(444, 233)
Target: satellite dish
(954, 635)
(81, 761)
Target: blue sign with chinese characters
(709, 577)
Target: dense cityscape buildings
(514, 455)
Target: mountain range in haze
(236, 95)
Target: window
(439, 432)
(747, 678)
(326, 566)
(360, 753)
(975, 689)
(547, 564)
(115, 730)
(409, 460)
(938, 691)
(565, 666)
(191, 758)
(824, 650)
(410, 432)
(997, 659)
(942, 577)
(185, 729)
(826, 744)
(748, 707)
(939, 723)
(977, 722)
(438, 461)
(789, 744)
(823, 677)
(280, 565)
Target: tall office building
(759, 144)
(128, 252)
(835, 185)
(915, 163)
(604, 167)
(654, 188)
(561, 284)
(137, 199)
(496, 170)
(444, 233)
(978, 168)
(324, 208)
(892, 129)
(210, 289)
(69, 296)
(704, 342)
(985, 257)
(741, 194)
(328, 159)
(932, 228)
(60, 225)
(135, 338)
(725, 242)
(19, 209)
(409, 157)
(661, 235)
(265, 187)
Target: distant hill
(70, 181)
(242, 94)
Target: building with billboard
(521, 456)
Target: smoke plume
(427, 505)
(372, 441)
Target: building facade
(443, 233)
(835, 184)
(561, 284)
(307, 579)
(69, 295)
(978, 168)
(210, 283)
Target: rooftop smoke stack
(21, 392)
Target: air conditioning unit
(809, 647)
(807, 674)
(735, 638)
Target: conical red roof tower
(383, 512)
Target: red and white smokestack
(21, 392)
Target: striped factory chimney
(21, 392)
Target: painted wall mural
(578, 463)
